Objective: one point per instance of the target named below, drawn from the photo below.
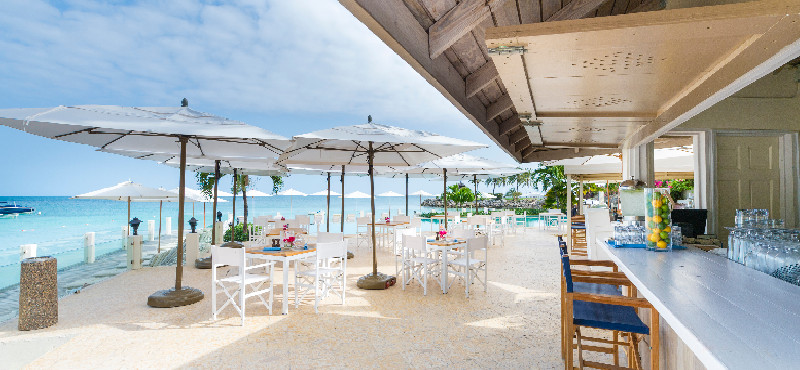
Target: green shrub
(239, 233)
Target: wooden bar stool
(578, 230)
(614, 313)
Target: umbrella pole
(204, 215)
(406, 194)
(444, 172)
(375, 280)
(233, 222)
(129, 216)
(328, 212)
(160, 207)
(475, 181)
(180, 295)
(341, 219)
(214, 208)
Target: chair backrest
(510, 213)
(402, 218)
(350, 218)
(227, 256)
(475, 245)
(553, 210)
(415, 243)
(497, 214)
(463, 234)
(384, 215)
(303, 220)
(336, 218)
(469, 214)
(415, 222)
(567, 272)
(331, 250)
(293, 223)
(562, 247)
(456, 218)
(323, 237)
(318, 218)
(362, 221)
(403, 231)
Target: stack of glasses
(764, 244)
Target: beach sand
(515, 324)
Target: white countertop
(731, 316)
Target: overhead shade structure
(461, 164)
(127, 191)
(372, 145)
(291, 193)
(391, 194)
(163, 130)
(669, 163)
(601, 82)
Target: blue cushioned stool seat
(608, 317)
(596, 288)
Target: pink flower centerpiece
(387, 220)
(442, 234)
(288, 242)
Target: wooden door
(748, 176)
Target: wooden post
(328, 212)
(406, 194)
(214, 212)
(475, 181)
(342, 218)
(160, 208)
(181, 198)
(444, 173)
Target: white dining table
(547, 216)
(444, 247)
(285, 257)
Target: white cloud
(280, 56)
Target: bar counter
(728, 315)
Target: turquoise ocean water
(59, 223)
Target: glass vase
(658, 217)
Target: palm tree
(553, 179)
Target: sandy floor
(514, 325)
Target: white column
(27, 251)
(88, 247)
(580, 198)
(569, 213)
(151, 230)
(134, 251)
(218, 233)
(168, 226)
(124, 237)
(637, 162)
(192, 248)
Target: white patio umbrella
(421, 193)
(165, 130)
(291, 193)
(372, 145)
(325, 192)
(127, 191)
(391, 194)
(485, 195)
(461, 164)
(357, 195)
(191, 196)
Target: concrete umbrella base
(175, 298)
(350, 255)
(380, 281)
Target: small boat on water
(8, 209)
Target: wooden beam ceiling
(459, 21)
(576, 9)
(556, 154)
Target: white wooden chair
(235, 286)
(473, 262)
(318, 218)
(363, 231)
(418, 262)
(400, 234)
(336, 218)
(350, 218)
(323, 277)
(400, 218)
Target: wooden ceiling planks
(465, 54)
(653, 71)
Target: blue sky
(288, 66)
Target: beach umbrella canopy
(164, 130)
(325, 192)
(485, 195)
(147, 130)
(357, 195)
(128, 191)
(422, 193)
(245, 166)
(372, 145)
(390, 194)
(464, 165)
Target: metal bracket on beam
(507, 50)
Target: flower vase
(658, 216)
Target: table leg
(444, 271)
(286, 287)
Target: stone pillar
(151, 230)
(88, 247)
(192, 248)
(134, 250)
(27, 251)
(219, 233)
(168, 226)
(38, 293)
(637, 162)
